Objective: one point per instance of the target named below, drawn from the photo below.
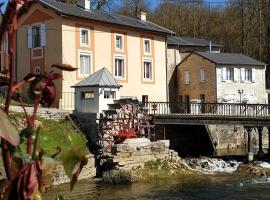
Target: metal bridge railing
(210, 109)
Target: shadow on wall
(189, 140)
(173, 86)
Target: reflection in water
(199, 187)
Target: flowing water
(205, 186)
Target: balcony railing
(210, 109)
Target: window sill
(85, 45)
(120, 78)
(148, 80)
(147, 53)
(119, 50)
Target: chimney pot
(142, 16)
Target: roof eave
(101, 86)
(165, 32)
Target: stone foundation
(129, 157)
(229, 136)
(46, 113)
(88, 171)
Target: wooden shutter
(203, 75)
(186, 77)
(253, 74)
(242, 75)
(29, 37)
(223, 74)
(42, 34)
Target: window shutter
(235, 70)
(223, 74)
(186, 77)
(202, 75)
(43, 34)
(242, 75)
(29, 37)
(253, 75)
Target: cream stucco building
(132, 49)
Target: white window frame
(245, 75)
(187, 74)
(150, 48)
(86, 53)
(202, 75)
(228, 69)
(124, 69)
(152, 69)
(123, 42)
(42, 36)
(87, 95)
(111, 93)
(88, 37)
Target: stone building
(177, 49)
(221, 77)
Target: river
(199, 187)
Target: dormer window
(147, 46)
(119, 44)
(85, 37)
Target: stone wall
(130, 156)
(46, 113)
(88, 171)
(229, 136)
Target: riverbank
(200, 186)
(166, 169)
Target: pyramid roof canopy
(101, 78)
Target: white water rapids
(211, 165)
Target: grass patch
(12, 103)
(52, 134)
(117, 177)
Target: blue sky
(154, 3)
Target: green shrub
(117, 176)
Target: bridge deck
(210, 113)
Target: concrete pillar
(250, 154)
(260, 152)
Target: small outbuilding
(93, 94)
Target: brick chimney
(86, 4)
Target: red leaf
(27, 180)
(49, 94)
(54, 76)
(37, 86)
(29, 77)
(65, 67)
